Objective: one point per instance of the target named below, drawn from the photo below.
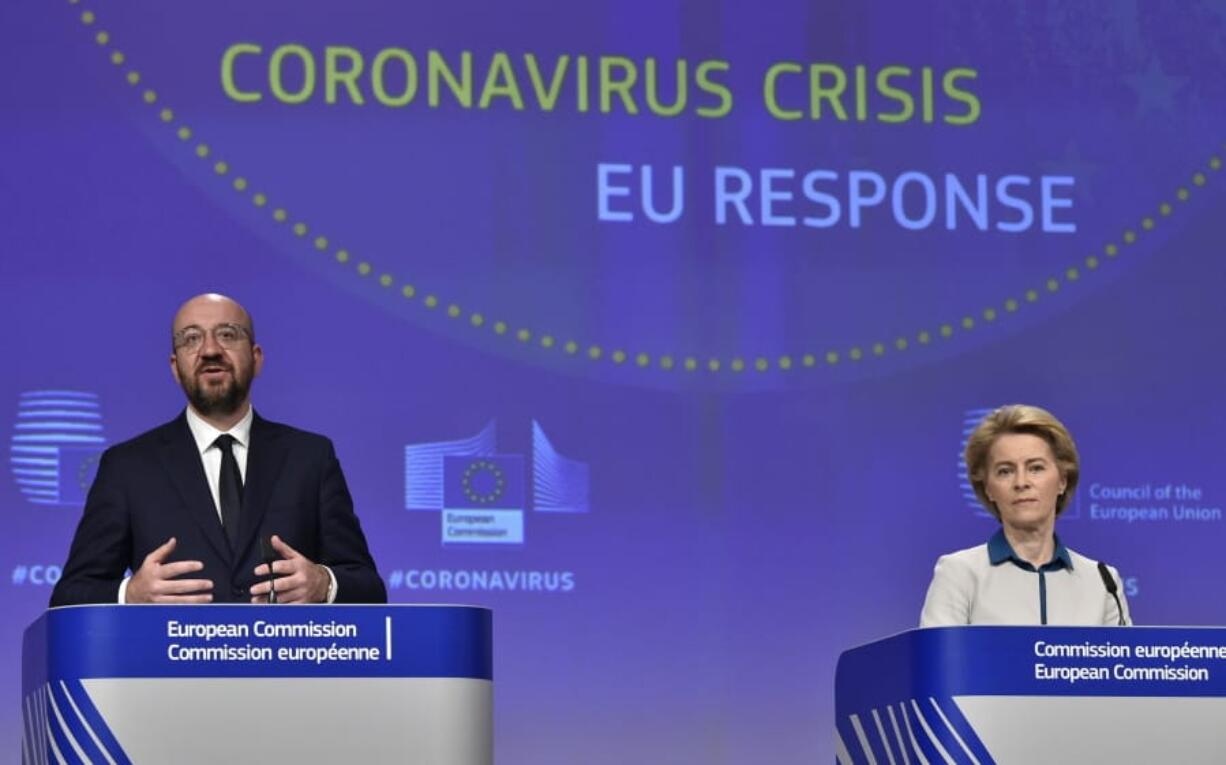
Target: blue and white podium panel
(223, 683)
(1034, 695)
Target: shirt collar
(205, 434)
(999, 551)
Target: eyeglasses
(228, 336)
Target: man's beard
(223, 399)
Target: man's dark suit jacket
(153, 487)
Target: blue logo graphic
(482, 495)
(560, 485)
(57, 441)
(970, 420)
(483, 499)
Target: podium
(1027, 695)
(258, 684)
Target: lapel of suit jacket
(265, 458)
(186, 470)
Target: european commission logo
(57, 441)
(483, 496)
(970, 420)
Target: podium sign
(227, 683)
(1034, 695)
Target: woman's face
(1024, 481)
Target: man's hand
(154, 582)
(298, 579)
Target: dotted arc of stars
(595, 353)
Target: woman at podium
(1023, 465)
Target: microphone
(1109, 583)
(270, 555)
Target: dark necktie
(230, 487)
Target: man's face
(215, 373)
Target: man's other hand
(299, 580)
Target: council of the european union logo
(970, 420)
(56, 443)
(482, 496)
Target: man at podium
(195, 507)
(1023, 465)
